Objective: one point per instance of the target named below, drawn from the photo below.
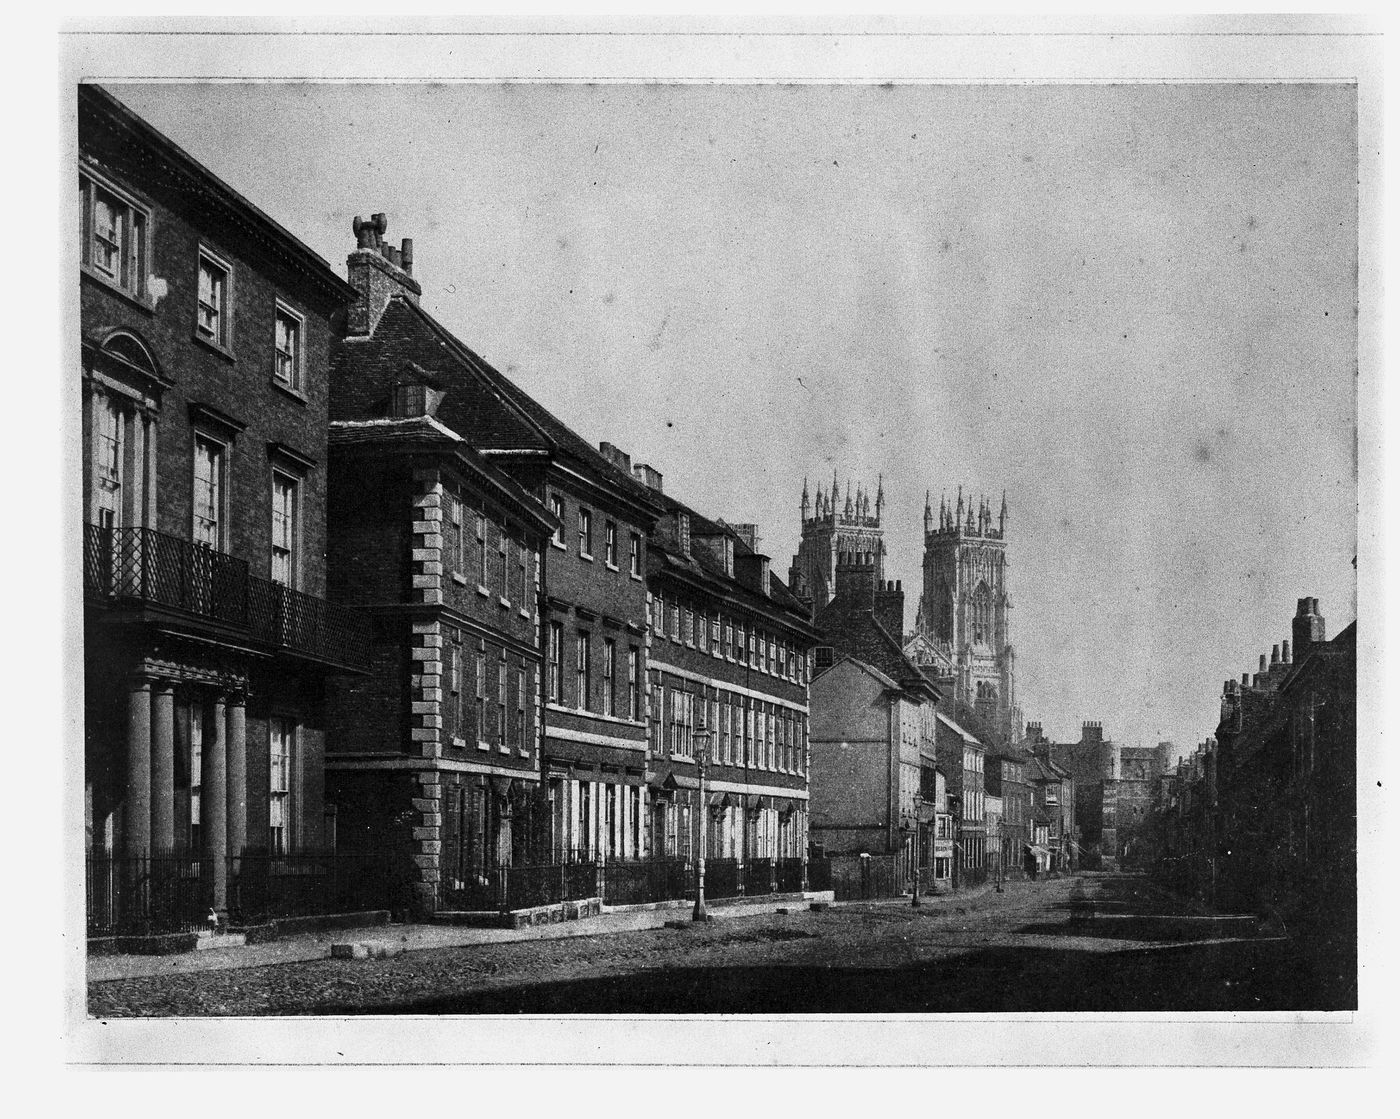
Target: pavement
(424, 937)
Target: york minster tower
(963, 631)
(831, 529)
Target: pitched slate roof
(853, 628)
(665, 555)
(479, 401)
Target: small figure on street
(1030, 864)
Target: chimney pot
(1286, 657)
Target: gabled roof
(869, 670)
(854, 629)
(564, 439)
(1042, 769)
(967, 736)
(491, 410)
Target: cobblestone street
(1027, 949)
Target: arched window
(131, 351)
(981, 615)
(944, 605)
(123, 389)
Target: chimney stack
(377, 271)
(855, 579)
(648, 476)
(1309, 629)
(889, 608)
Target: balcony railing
(141, 565)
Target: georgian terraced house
(206, 330)
(504, 561)
(434, 756)
(729, 653)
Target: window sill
(634, 576)
(585, 557)
(483, 745)
(559, 544)
(459, 578)
(525, 613)
(482, 591)
(460, 743)
(504, 749)
(140, 302)
(215, 347)
(289, 390)
(504, 602)
(611, 566)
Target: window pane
(287, 356)
(109, 235)
(208, 498)
(283, 529)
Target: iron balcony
(179, 578)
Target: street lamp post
(701, 738)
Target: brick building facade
(505, 559)
(206, 329)
(730, 651)
(875, 785)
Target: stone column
(137, 830)
(237, 792)
(163, 767)
(212, 809)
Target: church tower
(834, 524)
(965, 603)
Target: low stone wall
(171, 944)
(522, 918)
(164, 944)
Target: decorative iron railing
(722, 878)
(144, 566)
(760, 877)
(145, 894)
(649, 880)
(263, 885)
(789, 876)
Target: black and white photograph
(665, 539)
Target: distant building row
(1262, 817)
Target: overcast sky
(1131, 307)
